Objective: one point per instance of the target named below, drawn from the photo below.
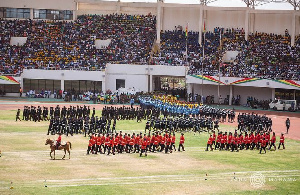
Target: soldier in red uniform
(136, 144)
(123, 144)
(91, 145)
(102, 142)
(214, 138)
(222, 142)
(246, 141)
(229, 143)
(116, 143)
(281, 142)
(152, 142)
(127, 137)
(181, 142)
(241, 141)
(225, 141)
(273, 141)
(111, 145)
(218, 142)
(155, 146)
(251, 139)
(209, 143)
(263, 145)
(98, 144)
(162, 143)
(106, 144)
(267, 139)
(173, 139)
(144, 146)
(148, 141)
(131, 144)
(58, 141)
(234, 144)
(168, 144)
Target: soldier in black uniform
(18, 115)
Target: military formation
(254, 122)
(164, 116)
(243, 141)
(135, 143)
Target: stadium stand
(71, 45)
(60, 45)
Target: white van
(283, 105)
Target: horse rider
(58, 141)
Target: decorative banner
(289, 82)
(244, 80)
(10, 79)
(208, 78)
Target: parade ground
(26, 167)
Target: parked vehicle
(278, 104)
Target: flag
(204, 29)
(186, 30)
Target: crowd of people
(71, 45)
(262, 56)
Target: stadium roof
(258, 4)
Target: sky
(224, 3)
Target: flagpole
(219, 68)
(202, 68)
(186, 43)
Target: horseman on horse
(59, 146)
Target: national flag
(186, 30)
(204, 29)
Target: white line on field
(123, 183)
(177, 176)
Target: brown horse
(65, 147)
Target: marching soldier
(18, 115)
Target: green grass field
(26, 162)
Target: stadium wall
(63, 75)
(142, 77)
(40, 4)
(139, 76)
